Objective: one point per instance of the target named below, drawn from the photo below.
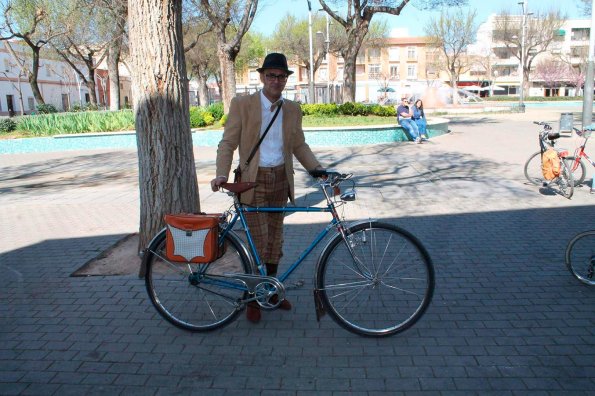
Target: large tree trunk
(32, 77)
(228, 76)
(167, 174)
(91, 86)
(113, 62)
(356, 37)
(203, 89)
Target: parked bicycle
(373, 278)
(580, 257)
(564, 183)
(577, 161)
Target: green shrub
(46, 109)
(216, 109)
(354, 109)
(223, 120)
(196, 118)
(96, 121)
(7, 125)
(308, 109)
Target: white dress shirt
(271, 148)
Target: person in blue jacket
(420, 118)
(405, 118)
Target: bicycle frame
(580, 153)
(240, 211)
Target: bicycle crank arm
(254, 282)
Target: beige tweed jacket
(242, 129)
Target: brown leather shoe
(285, 305)
(253, 312)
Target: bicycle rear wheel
(580, 257)
(565, 181)
(383, 288)
(196, 297)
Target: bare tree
(85, 46)
(18, 87)
(167, 174)
(292, 35)
(452, 33)
(29, 21)
(540, 33)
(115, 34)
(201, 60)
(553, 72)
(229, 17)
(356, 23)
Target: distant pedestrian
(405, 118)
(420, 119)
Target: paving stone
(506, 319)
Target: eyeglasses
(278, 77)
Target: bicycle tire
(534, 175)
(578, 169)
(580, 257)
(565, 181)
(533, 171)
(383, 291)
(196, 297)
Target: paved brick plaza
(507, 318)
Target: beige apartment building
(408, 65)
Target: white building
(502, 68)
(58, 83)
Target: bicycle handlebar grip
(318, 173)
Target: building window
(411, 71)
(411, 53)
(374, 70)
(374, 53)
(48, 71)
(579, 34)
(7, 66)
(393, 54)
(394, 71)
(254, 77)
(360, 69)
(579, 52)
(31, 103)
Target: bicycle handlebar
(545, 125)
(331, 174)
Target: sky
(272, 11)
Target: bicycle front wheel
(533, 171)
(196, 297)
(378, 282)
(580, 257)
(577, 168)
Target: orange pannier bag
(192, 238)
(550, 164)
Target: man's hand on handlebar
(216, 182)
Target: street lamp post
(311, 85)
(588, 89)
(522, 58)
(328, 59)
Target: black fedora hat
(275, 60)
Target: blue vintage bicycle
(373, 278)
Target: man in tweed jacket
(272, 165)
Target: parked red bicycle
(576, 164)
